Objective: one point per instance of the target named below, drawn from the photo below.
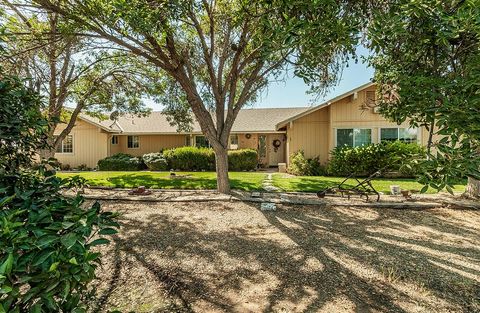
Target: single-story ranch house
(349, 119)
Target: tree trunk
(473, 187)
(221, 160)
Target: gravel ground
(232, 257)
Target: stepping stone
(268, 206)
(256, 194)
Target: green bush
(190, 159)
(299, 165)
(242, 160)
(155, 161)
(46, 238)
(121, 162)
(364, 160)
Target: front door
(276, 149)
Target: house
(349, 119)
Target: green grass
(162, 180)
(316, 183)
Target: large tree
(69, 68)
(427, 62)
(217, 54)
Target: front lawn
(162, 180)
(316, 183)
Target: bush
(365, 160)
(299, 165)
(121, 162)
(242, 160)
(46, 257)
(190, 159)
(155, 161)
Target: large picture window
(133, 142)
(66, 146)
(353, 137)
(408, 135)
(201, 142)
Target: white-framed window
(353, 137)
(114, 140)
(408, 135)
(66, 146)
(201, 142)
(233, 142)
(133, 142)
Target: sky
(293, 91)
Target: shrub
(121, 162)
(46, 257)
(155, 161)
(83, 167)
(242, 160)
(299, 165)
(190, 158)
(364, 160)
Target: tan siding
(310, 134)
(89, 145)
(245, 143)
(151, 143)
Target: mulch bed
(233, 257)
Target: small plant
(83, 167)
(242, 160)
(300, 165)
(65, 167)
(155, 161)
(121, 162)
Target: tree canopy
(427, 65)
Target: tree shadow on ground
(225, 258)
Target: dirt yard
(232, 257)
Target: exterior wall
(310, 134)
(89, 145)
(245, 143)
(148, 144)
(316, 133)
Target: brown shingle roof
(248, 120)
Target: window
(133, 142)
(188, 140)
(114, 140)
(408, 135)
(201, 142)
(354, 137)
(233, 142)
(66, 146)
(262, 146)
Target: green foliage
(427, 64)
(121, 162)
(242, 160)
(203, 159)
(300, 165)
(155, 161)
(190, 158)
(46, 238)
(365, 160)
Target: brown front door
(276, 149)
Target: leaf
(54, 266)
(69, 240)
(108, 231)
(6, 200)
(424, 189)
(101, 241)
(73, 261)
(6, 267)
(42, 257)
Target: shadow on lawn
(192, 182)
(307, 259)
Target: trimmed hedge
(242, 160)
(396, 156)
(300, 165)
(155, 161)
(190, 159)
(121, 162)
(203, 159)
